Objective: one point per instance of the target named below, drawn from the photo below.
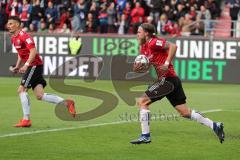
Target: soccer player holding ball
(160, 54)
(30, 65)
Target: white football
(142, 59)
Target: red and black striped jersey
(157, 54)
(23, 42)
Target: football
(142, 59)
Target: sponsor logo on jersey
(159, 43)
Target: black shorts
(171, 87)
(33, 76)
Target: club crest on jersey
(29, 41)
(159, 43)
(17, 44)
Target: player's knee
(39, 96)
(185, 114)
(20, 90)
(141, 102)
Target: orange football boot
(71, 107)
(24, 123)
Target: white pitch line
(212, 110)
(88, 126)
(60, 129)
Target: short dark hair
(16, 18)
(148, 27)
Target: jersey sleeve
(28, 41)
(157, 44)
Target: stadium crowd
(171, 17)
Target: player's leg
(144, 118)
(24, 98)
(178, 99)
(38, 84)
(186, 112)
(53, 98)
(25, 102)
(154, 93)
(217, 127)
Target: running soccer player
(32, 70)
(161, 53)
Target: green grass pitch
(107, 137)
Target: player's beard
(11, 32)
(141, 41)
(14, 32)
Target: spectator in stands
(51, 28)
(180, 12)
(127, 16)
(185, 24)
(63, 29)
(203, 14)
(65, 18)
(234, 10)
(43, 27)
(163, 24)
(36, 14)
(12, 8)
(198, 3)
(94, 11)
(108, 14)
(155, 9)
(173, 4)
(24, 28)
(214, 9)
(150, 20)
(32, 28)
(80, 12)
(192, 13)
(3, 16)
(121, 4)
(137, 15)
(103, 18)
(24, 11)
(50, 13)
(91, 24)
(123, 25)
(169, 12)
(111, 11)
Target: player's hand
(13, 69)
(23, 69)
(139, 67)
(164, 68)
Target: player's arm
(172, 48)
(32, 55)
(32, 52)
(15, 68)
(18, 63)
